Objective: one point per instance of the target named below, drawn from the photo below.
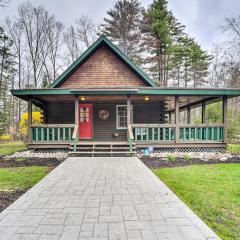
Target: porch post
(170, 118)
(189, 115)
(128, 109)
(177, 117)
(76, 110)
(29, 119)
(224, 112)
(203, 112)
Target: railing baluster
(189, 133)
(135, 134)
(36, 134)
(153, 134)
(212, 133)
(184, 133)
(58, 135)
(169, 134)
(69, 134)
(200, 133)
(42, 134)
(47, 134)
(64, 132)
(53, 134)
(218, 135)
(141, 134)
(147, 134)
(195, 133)
(158, 134)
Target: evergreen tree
(122, 26)
(160, 30)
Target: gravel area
(162, 160)
(60, 155)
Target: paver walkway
(101, 198)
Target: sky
(203, 18)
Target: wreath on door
(103, 114)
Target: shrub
(186, 157)
(171, 157)
(233, 149)
(23, 125)
(6, 137)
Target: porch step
(101, 148)
(79, 153)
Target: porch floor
(101, 198)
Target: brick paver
(104, 198)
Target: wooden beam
(177, 117)
(224, 117)
(129, 110)
(76, 110)
(189, 115)
(29, 120)
(204, 113)
(170, 118)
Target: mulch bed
(7, 198)
(48, 162)
(157, 162)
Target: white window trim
(131, 110)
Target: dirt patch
(7, 198)
(157, 162)
(17, 162)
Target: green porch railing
(154, 132)
(201, 133)
(57, 133)
(189, 133)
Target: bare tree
(78, 37)
(15, 32)
(72, 44)
(34, 21)
(54, 41)
(86, 30)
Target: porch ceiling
(184, 101)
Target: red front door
(85, 121)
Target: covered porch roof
(188, 97)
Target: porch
(151, 120)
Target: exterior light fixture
(146, 98)
(82, 98)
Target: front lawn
(21, 178)
(212, 191)
(9, 148)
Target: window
(121, 116)
(84, 114)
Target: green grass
(9, 148)
(233, 149)
(212, 191)
(21, 177)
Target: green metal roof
(99, 42)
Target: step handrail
(75, 137)
(130, 137)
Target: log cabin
(103, 103)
